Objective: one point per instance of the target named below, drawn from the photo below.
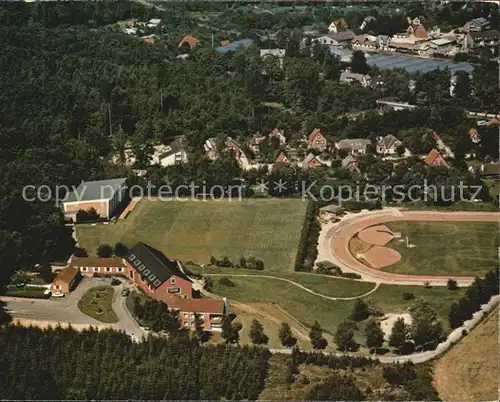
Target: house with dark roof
(356, 146)
(164, 280)
(476, 25)
(481, 39)
(387, 145)
(103, 195)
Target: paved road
(335, 243)
(65, 310)
(375, 287)
(126, 322)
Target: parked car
(125, 292)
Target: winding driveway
(334, 243)
(376, 285)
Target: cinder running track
(338, 238)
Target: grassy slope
(96, 303)
(469, 371)
(194, 230)
(307, 307)
(458, 248)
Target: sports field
(445, 248)
(268, 229)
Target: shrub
(408, 296)
(115, 282)
(104, 251)
(452, 284)
(80, 252)
(121, 250)
(225, 281)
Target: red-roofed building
(224, 43)
(317, 140)
(282, 158)
(190, 40)
(434, 158)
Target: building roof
(388, 141)
(154, 267)
(488, 169)
(340, 24)
(343, 36)
(442, 41)
(97, 262)
(224, 42)
(415, 64)
(191, 40)
(342, 53)
(484, 34)
(272, 52)
(236, 45)
(356, 143)
(481, 21)
(198, 305)
(66, 275)
(96, 190)
(172, 148)
(432, 156)
(282, 158)
(313, 134)
(347, 76)
(308, 159)
(348, 160)
(332, 208)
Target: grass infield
(97, 303)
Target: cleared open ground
(268, 229)
(441, 248)
(469, 371)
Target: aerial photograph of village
(249, 200)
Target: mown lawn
(28, 292)
(306, 307)
(446, 248)
(97, 303)
(268, 229)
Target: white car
(58, 294)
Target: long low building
(162, 279)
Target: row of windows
(98, 269)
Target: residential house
(190, 40)
(348, 77)
(434, 158)
(335, 39)
(103, 195)
(278, 53)
(225, 43)
(416, 28)
(364, 42)
(151, 39)
(356, 146)
(131, 31)
(338, 26)
(169, 155)
(282, 158)
(366, 22)
(65, 280)
(254, 142)
(88, 266)
(383, 42)
(477, 25)
(317, 140)
(311, 161)
(350, 163)
(131, 23)
(387, 145)
(211, 148)
(481, 39)
(279, 134)
(164, 280)
(376, 81)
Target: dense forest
(64, 364)
(75, 91)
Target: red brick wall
(100, 206)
